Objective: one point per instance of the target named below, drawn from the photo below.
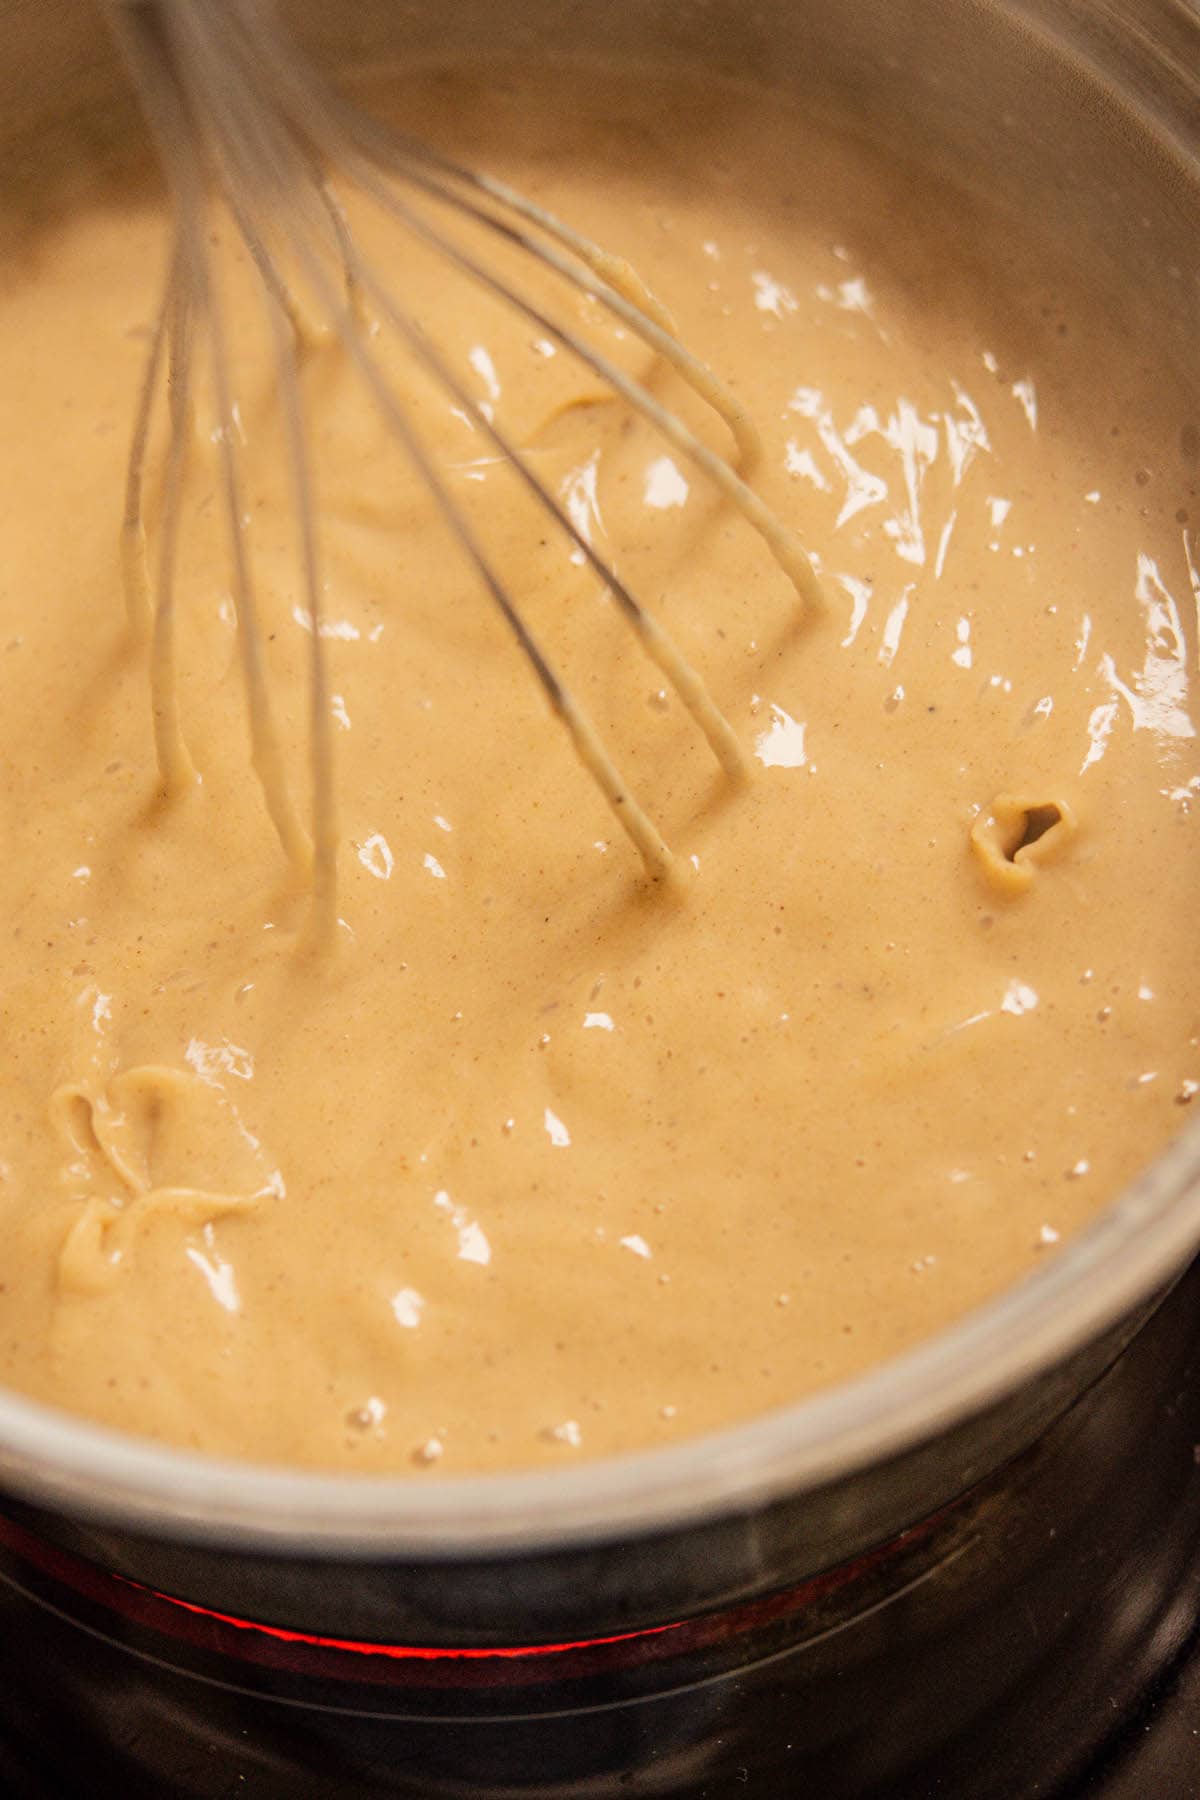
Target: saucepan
(1089, 111)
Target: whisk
(244, 123)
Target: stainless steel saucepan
(1090, 110)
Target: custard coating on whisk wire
(246, 126)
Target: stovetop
(1070, 1599)
(1154, 1755)
(1158, 1752)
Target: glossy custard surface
(543, 1163)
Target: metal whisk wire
(241, 117)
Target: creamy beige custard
(542, 1162)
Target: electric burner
(1038, 1638)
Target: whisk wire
(779, 541)
(588, 744)
(319, 114)
(657, 642)
(175, 764)
(241, 117)
(138, 605)
(324, 810)
(606, 278)
(146, 33)
(266, 753)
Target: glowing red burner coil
(318, 1656)
(400, 1652)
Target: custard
(541, 1161)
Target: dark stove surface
(1046, 1649)
(1158, 1751)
